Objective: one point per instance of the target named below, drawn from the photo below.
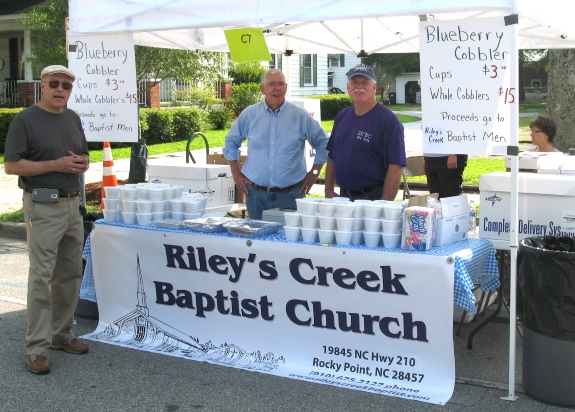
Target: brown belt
(275, 189)
(61, 196)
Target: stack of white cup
(144, 203)
(382, 223)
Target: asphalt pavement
(112, 378)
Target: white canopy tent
(324, 26)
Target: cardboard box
(213, 181)
(276, 215)
(451, 229)
(453, 225)
(421, 200)
(546, 204)
(219, 159)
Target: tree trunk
(561, 96)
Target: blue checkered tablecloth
(474, 262)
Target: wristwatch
(315, 171)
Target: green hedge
(157, 125)
(6, 117)
(331, 104)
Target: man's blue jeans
(259, 200)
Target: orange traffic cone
(109, 178)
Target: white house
(311, 74)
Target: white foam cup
(327, 208)
(144, 206)
(292, 233)
(129, 217)
(177, 205)
(309, 235)
(326, 235)
(128, 192)
(391, 240)
(309, 221)
(111, 204)
(371, 225)
(392, 210)
(390, 225)
(371, 239)
(343, 237)
(110, 215)
(192, 205)
(112, 192)
(144, 219)
(357, 237)
(156, 193)
(345, 209)
(158, 206)
(292, 219)
(344, 224)
(372, 210)
(326, 222)
(129, 206)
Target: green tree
(246, 72)
(47, 24)
(561, 96)
(158, 64)
(390, 65)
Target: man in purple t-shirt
(366, 147)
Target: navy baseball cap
(361, 70)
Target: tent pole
(513, 151)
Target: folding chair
(414, 167)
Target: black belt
(363, 191)
(275, 189)
(61, 196)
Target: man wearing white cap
(47, 149)
(366, 146)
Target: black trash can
(546, 306)
(392, 97)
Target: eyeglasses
(55, 83)
(536, 131)
(273, 84)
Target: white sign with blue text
(105, 93)
(358, 319)
(467, 95)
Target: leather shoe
(74, 346)
(37, 364)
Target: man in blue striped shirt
(274, 173)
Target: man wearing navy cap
(366, 146)
(47, 149)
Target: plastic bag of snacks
(419, 225)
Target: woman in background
(542, 133)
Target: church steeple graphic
(142, 306)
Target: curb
(16, 230)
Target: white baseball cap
(55, 69)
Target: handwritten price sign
(104, 93)
(466, 92)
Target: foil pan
(251, 227)
(207, 224)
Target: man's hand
(240, 180)
(309, 181)
(452, 162)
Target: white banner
(359, 319)
(105, 94)
(468, 95)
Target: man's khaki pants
(55, 240)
